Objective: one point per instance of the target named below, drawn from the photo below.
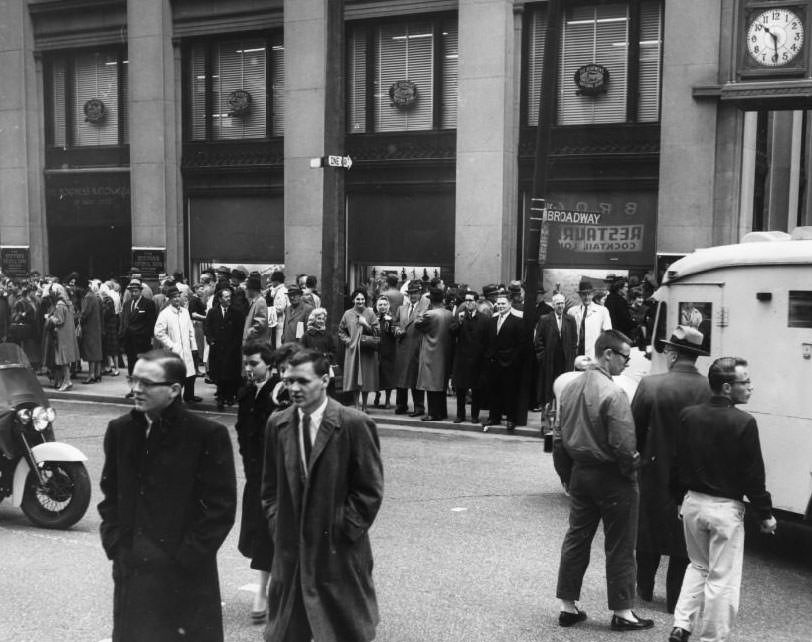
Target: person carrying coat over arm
(322, 487)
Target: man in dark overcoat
(504, 359)
(322, 487)
(555, 342)
(434, 361)
(138, 316)
(656, 408)
(470, 329)
(407, 357)
(170, 496)
(224, 328)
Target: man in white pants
(718, 462)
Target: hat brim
(681, 347)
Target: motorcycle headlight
(24, 415)
(42, 417)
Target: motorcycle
(46, 478)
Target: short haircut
(278, 276)
(617, 285)
(320, 364)
(223, 289)
(392, 280)
(613, 339)
(358, 291)
(311, 281)
(171, 362)
(261, 348)
(723, 371)
(284, 352)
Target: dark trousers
(402, 399)
(600, 493)
(647, 563)
(189, 388)
(504, 397)
(298, 625)
(476, 402)
(133, 346)
(437, 404)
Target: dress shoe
(679, 635)
(510, 426)
(622, 624)
(565, 618)
(426, 418)
(417, 413)
(401, 411)
(459, 420)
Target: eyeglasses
(146, 384)
(626, 357)
(744, 382)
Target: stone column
(305, 87)
(19, 133)
(154, 134)
(486, 202)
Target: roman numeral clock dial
(775, 37)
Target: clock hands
(774, 36)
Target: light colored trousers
(714, 536)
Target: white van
(754, 300)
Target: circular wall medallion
(592, 79)
(239, 102)
(95, 111)
(403, 94)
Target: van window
(697, 315)
(800, 309)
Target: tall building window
(88, 99)
(601, 34)
(402, 76)
(237, 88)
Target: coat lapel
(288, 437)
(330, 422)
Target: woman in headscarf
(360, 356)
(66, 349)
(90, 346)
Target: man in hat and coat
(590, 318)
(169, 500)
(224, 326)
(322, 487)
(434, 360)
(407, 356)
(277, 296)
(656, 408)
(296, 314)
(138, 317)
(260, 321)
(174, 331)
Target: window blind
(537, 33)
(95, 75)
(58, 96)
(279, 101)
(594, 34)
(357, 82)
(448, 97)
(651, 39)
(125, 97)
(405, 52)
(239, 65)
(197, 68)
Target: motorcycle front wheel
(62, 499)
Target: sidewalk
(114, 389)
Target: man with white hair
(555, 341)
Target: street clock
(773, 40)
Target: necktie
(581, 340)
(411, 309)
(308, 445)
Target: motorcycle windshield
(19, 385)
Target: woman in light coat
(67, 348)
(92, 328)
(360, 364)
(175, 332)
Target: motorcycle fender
(48, 451)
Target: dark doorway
(95, 251)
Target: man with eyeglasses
(597, 434)
(322, 486)
(170, 497)
(718, 461)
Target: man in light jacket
(590, 318)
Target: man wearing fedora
(656, 408)
(259, 323)
(590, 318)
(407, 355)
(174, 331)
(138, 317)
(296, 314)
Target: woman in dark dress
(255, 406)
(386, 354)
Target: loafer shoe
(417, 413)
(565, 618)
(679, 635)
(459, 420)
(622, 624)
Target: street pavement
(466, 549)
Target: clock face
(775, 37)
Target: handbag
(369, 343)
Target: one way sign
(339, 161)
